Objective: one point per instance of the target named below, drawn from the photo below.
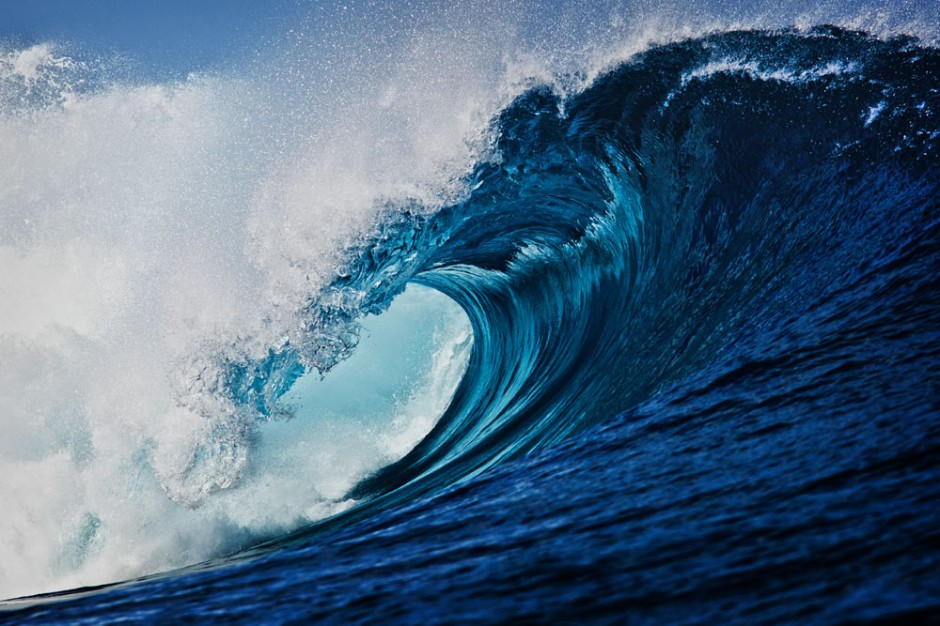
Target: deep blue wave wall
(663, 224)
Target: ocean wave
(714, 224)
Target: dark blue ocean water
(704, 380)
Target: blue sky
(180, 36)
(160, 35)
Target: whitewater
(138, 223)
(621, 311)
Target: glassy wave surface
(693, 375)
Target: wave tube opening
(375, 406)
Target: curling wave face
(704, 211)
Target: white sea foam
(149, 234)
